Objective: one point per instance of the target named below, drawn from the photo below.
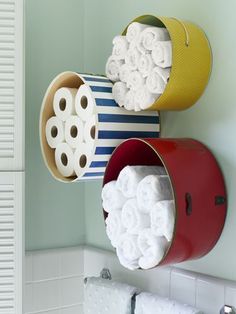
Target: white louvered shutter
(11, 242)
(11, 85)
(11, 156)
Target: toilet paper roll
(82, 158)
(64, 102)
(74, 131)
(84, 102)
(55, 132)
(64, 158)
(90, 132)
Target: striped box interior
(114, 124)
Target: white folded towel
(119, 92)
(120, 47)
(113, 68)
(135, 80)
(107, 296)
(125, 71)
(112, 197)
(114, 227)
(157, 80)
(150, 36)
(134, 30)
(144, 99)
(129, 103)
(152, 248)
(132, 58)
(128, 251)
(162, 54)
(151, 189)
(132, 218)
(163, 219)
(146, 64)
(130, 177)
(147, 303)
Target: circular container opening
(62, 104)
(54, 131)
(136, 152)
(197, 201)
(83, 161)
(64, 159)
(189, 46)
(74, 131)
(131, 152)
(84, 102)
(65, 79)
(93, 132)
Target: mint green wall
(63, 35)
(54, 43)
(212, 120)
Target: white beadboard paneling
(11, 85)
(72, 262)
(209, 295)
(95, 261)
(72, 291)
(64, 295)
(11, 242)
(55, 282)
(46, 265)
(50, 312)
(155, 280)
(46, 295)
(230, 295)
(28, 268)
(183, 287)
(78, 309)
(28, 306)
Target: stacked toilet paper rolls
(141, 215)
(87, 125)
(140, 65)
(65, 130)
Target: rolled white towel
(135, 80)
(129, 103)
(144, 99)
(132, 218)
(152, 248)
(157, 80)
(114, 227)
(128, 251)
(132, 58)
(134, 30)
(152, 189)
(162, 54)
(130, 176)
(147, 303)
(146, 64)
(119, 92)
(113, 68)
(150, 36)
(120, 47)
(112, 197)
(163, 219)
(125, 71)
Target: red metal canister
(198, 189)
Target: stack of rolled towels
(141, 215)
(71, 130)
(140, 65)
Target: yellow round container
(191, 63)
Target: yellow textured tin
(191, 63)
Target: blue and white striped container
(113, 123)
